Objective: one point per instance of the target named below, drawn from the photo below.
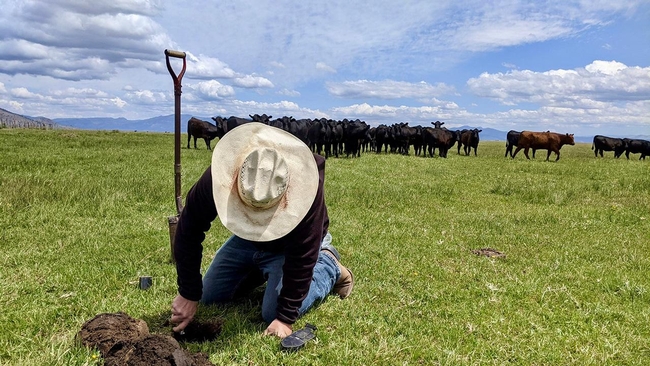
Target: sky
(579, 67)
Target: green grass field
(84, 213)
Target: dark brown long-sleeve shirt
(301, 246)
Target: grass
(84, 214)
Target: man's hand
(279, 329)
(183, 311)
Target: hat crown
(263, 178)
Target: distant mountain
(13, 120)
(155, 124)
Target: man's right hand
(183, 311)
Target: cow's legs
(526, 153)
(516, 151)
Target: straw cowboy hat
(264, 180)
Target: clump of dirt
(488, 252)
(125, 341)
(104, 330)
(153, 349)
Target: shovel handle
(177, 54)
(176, 78)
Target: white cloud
(325, 67)
(289, 93)
(206, 67)
(387, 89)
(146, 97)
(213, 89)
(23, 93)
(250, 81)
(600, 81)
(605, 67)
(118, 102)
(393, 114)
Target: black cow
(353, 133)
(231, 122)
(604, 143)
(407, 136)
(470, 138)
(202, 129)
(262, 119)
(512, 139)
(382, 138)
(637, 146)
(319, 135)
(440, 138)
(337, 137)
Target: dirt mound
(153, 349)
(125, 341)
(104, 330)
(488, 252)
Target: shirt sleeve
(194, 221)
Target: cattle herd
(350, 138)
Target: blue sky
(581, 67)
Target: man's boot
(343, 286)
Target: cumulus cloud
(276, 109)
(600, 81)
(250, 81)
(145, 97)
(78, 40)
(387, 89)
(206, 67)
(213, 89)
(392, 114)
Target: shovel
(173, 220)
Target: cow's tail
(592, 145)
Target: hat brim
(262, 224)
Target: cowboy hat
(264, 180)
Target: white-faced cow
(202, 129)
(604, 143)
(550, 141)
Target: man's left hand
(278, 329)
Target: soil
(488, 252)
(123, 340)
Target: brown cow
(550, 141)
(202, 129)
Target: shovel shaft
(173, 220)
(177, 123)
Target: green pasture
(83, 214)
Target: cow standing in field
(550, 141)
(437, 137)
(512, 139)
(470, 139)
(637, 146)
(202, 129)
(604, 143)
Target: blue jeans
(239, 267)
